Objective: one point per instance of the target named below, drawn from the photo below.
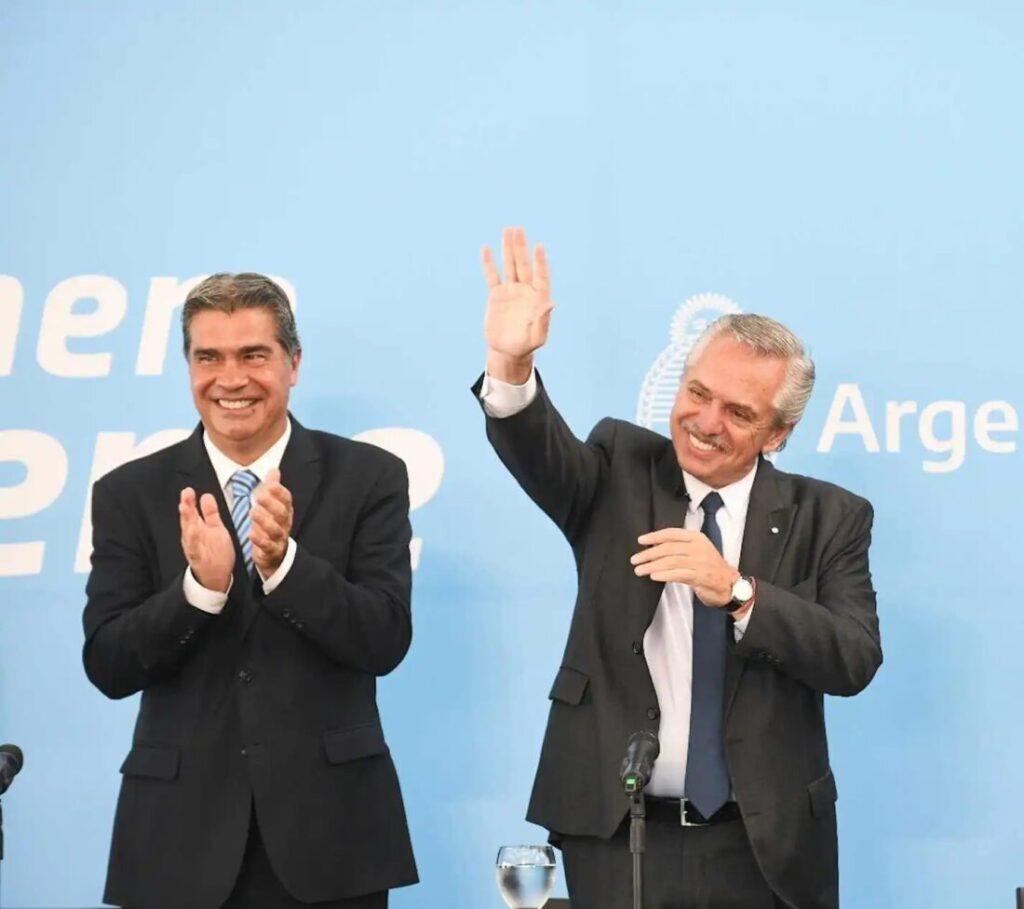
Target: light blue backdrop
(854, 170)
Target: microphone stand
(638, 843)
(641, 753)
(634, 785)
(1, 840)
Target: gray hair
(767, 338)
(226, 293)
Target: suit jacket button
(244, 752)
(653, 713)
(286, 614)
(244, 675)
(638, 647)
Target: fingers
(262, 540)
(274, 498)
(521, 253)
(490, 269)
(272, 486)
(541, 280)
(682, 551)
(269, 527)
(188, 517)
(187, 508)
(508, 260)
(669, 568)
(211, 514)
(264, 552)
(675, 576)
(273, 510)
(668, 535)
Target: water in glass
(526, 875)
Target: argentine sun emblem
(662, 380)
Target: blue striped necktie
(243, 482)
(707, 774)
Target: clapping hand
(205, 540)
(272, 515)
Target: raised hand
(272, 515)
(518, 308)
(205, 540)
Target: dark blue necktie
(707, 775)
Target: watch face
(742, 591)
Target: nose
(232, 375)
(709, 419)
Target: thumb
(208, 505)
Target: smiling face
(241, 377)
(724, 414)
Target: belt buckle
(683, 821)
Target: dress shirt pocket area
(152, 762)
(344, 745)
(823, 795)
(570, 686)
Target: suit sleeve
(360, 617)
(559, 472)
(826, 638)
(135, 634)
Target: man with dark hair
(252, 582)
(719, 600)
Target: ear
(296, 359)
(776, 439)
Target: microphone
(11, 761)
(638, 764)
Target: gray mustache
(715, 441)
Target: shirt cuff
(501, 399)
(270, 584)
(211, 601)
(739, 628)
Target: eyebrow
(745, 409)
(216, 351)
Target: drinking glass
(526, 875)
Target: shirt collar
(735, 496)
(224, 467)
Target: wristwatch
(742, 593)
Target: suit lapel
(300, 472)
(669, 501)
(769, 521)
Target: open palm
(518, 308)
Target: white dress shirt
(668, 642)
(213, 600)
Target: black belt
(683, 813)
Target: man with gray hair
(719, 600)
(252, 582)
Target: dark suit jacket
(813, 631)
(270, 704)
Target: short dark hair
(224, 292)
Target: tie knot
(243, 482)
(712, 502)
